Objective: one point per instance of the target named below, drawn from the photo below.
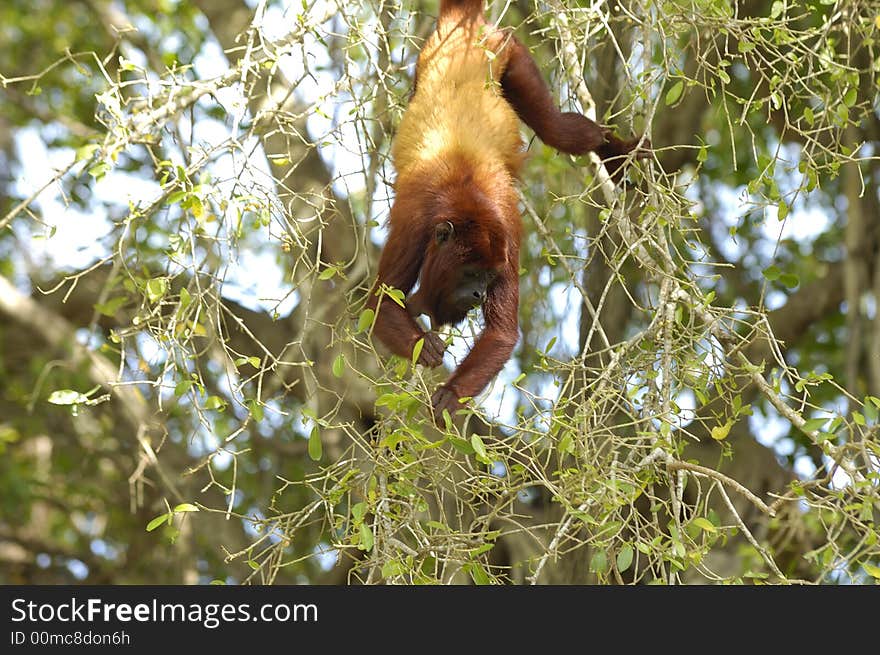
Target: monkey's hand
(447, 398)
(432, 350)
(615, 151)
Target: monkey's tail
(467, 7)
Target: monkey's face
(453, 278)
(465, 291)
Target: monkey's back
(458, 109)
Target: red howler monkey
(454, 225)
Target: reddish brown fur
(457, 153)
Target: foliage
(194, 395)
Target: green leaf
(197, 209)
(182, 387)
(86, 151)
(256, 409)
(678, 548)
(566, 444)
(156, 288)
(401, 366)
(338, 367)
(215, 402)
(674, 92)
(809, 116)
(67, 397)
(772, 273)
(704, 524)
(315, 446)
(782, 210)
(858, 418)
(478, 573)
(112, 306)
(814, 424)
(790, 280)
(156, 522)
(398, 401)
(186, 507)
(358, 511)
(870, 569)
(599, 562)
(851, 96)
(822, 437)
(327, 273)
(99, 170)
(624, 558)
(462, 446)
(479, 447)
(366, 538)
(397, 296)
(479, 550)
(365, 320)
(720, 432)
(392, 568)
(447, 420)
(417, 350)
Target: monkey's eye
(443, 231)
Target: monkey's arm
(527, 92)
(399, 268)
(492, 348)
